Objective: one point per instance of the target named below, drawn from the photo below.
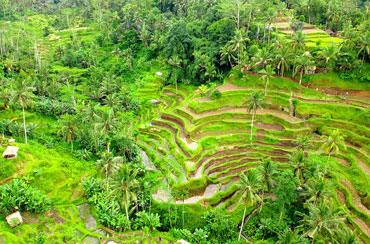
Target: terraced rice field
(314, 36)
(202, 145)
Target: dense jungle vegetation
(154, 121)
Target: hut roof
(10, 151)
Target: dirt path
(355, 197)
(242, 110)
(363, 166)
(363, 225)
(343, 161)
(347, 102)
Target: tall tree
(249, 186)
(322, 220)
(124, 185)
(69, 128)
(239, 41)
(268, 170)
(21, 94)
(255, 102)
(175, 62)
(267, 74)
(283, 59)
(303, 63)
(329, 53)
(333, 143)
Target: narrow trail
(361, 223)
(355, 197)
(341, 102)
(363, 166)
(241, 110)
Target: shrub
(215, 95)
(17, 195)
(146, 220)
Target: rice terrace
(202, 122)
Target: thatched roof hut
(10, 152)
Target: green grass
(332, 79)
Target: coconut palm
(303, 63)
(21, 94)
(289, 237)
(239, 41)
(364, 44)
(255, 102)
(322, 220)
(345, 235)
(316, 189)
(329, 53)
(124, 185)
(304, 142)
(106, 121)
(298, 42)
(248, 186)
(69, 128)
(227, 51)
(297, 162)
(108, 164)
(268, 170)
(175, 62)
(333, 143)
(283, 58)
(267, 74)
(262, 57)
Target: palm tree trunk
(241, 227)
(252, 125)
(126, 209)
(281, 213)
(183, 212)
(267, 82)
(300, 78)
(24, 124)
(71, 146)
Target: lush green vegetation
(151, 121)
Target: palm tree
(297, 162)
(124, 185)
(333, 143)
(175, 62)
(227, 51)
(262, 57)
(69, 128)
(304, 142)
(364, 45)
(21, 94)
(303, 63)
(239, 42)
(268, 170)
(345, 235)
(299, 40)
(329, 53)
(106, 121)
(108, 164)
(316, 189)
(322, 220)
(283, 58)
(255, 102)
(267, 74)
(289, 237)
(248, 186)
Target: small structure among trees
(10, 152)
